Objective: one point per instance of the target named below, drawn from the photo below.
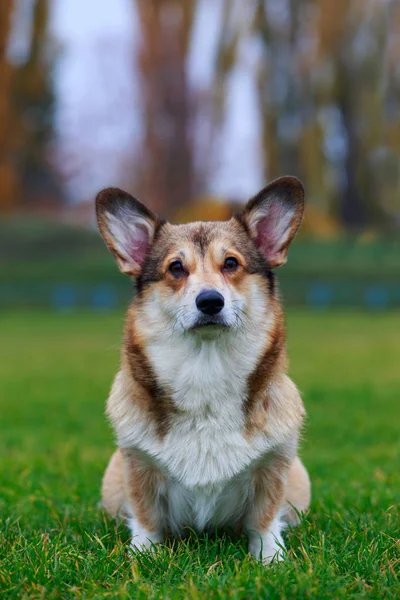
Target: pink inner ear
(271, 230)
(266, 240)
(138, 245)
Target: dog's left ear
(273, 217)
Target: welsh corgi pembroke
(207, 421)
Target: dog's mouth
(209, 322)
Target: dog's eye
(176, 268)
(231, 263)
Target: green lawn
(55, 371)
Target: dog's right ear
(127, 227)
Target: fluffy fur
(206, 419)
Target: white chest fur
(205, 455)
(207, 507)
(198, 452)
(207, 469)
(208, 384)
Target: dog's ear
(273, 217)
(127, 227)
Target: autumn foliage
(327, 84)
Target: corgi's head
(203, 278)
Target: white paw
(273, 552)
(141, 538)
(140, 543)
(267, 547)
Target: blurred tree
(352, 39)
(291, 131)
(322, 97)
(33, 101)
(387, 159)
(279, 85)
(234, 27)
(181, 122)
(168, 162)
(26, 176)
(8, 178)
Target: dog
(207, 421)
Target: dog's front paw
(267, 547)
(141, 538)
(140, 543)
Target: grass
(55, 371)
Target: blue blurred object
(376, 297)
(64, 297)
(319, 295)
(104, 298)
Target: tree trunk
(8, 176)
(168, 164)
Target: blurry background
(193, 106)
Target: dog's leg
(263, 521)
(112, 489)
(143, 503)
(297, 492)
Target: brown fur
(269, 485)
(113, 485)
(142, 482)
(272, 361)
(297, 492)
(198, 237)
(152, 397)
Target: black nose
(210, 302)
